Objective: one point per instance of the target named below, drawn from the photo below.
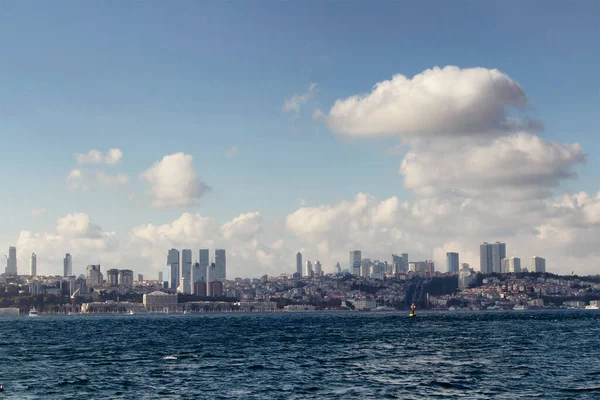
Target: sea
(319, 355)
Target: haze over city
(195, 125)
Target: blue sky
(156, 78)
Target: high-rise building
(465, 276)
(505, 266)
(318, 268)
(174, 270)
(221, 265)
(140, 278)
(67, 265)
(514, 264)
(538, 264)
(93, 276)
(355, 258)
(490, 257)
(33, 265)
(160, 276)
(126, 277)
(365, 267)
(186, 271)
(212, 273)
(309, 269)
(204, 259)
(338, 268)
(11, 262)
(452, 262)
(112, 277)
(198, 275)
(399, 265)
(299, 264)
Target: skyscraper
(221, 265)
(309, 269)
(318, 268)
(490, 257)
(299, 264)
(186, 270)
(174, 271)
(33, 265)
(452, 262)
(198, 275)
(355, 259)
(538, 264)
(514, 264)
(11, 262)
(67, 265)
(212, 273)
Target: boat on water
(590, 307)
(33, 313)
(384, 309)
(412, 311)
(520, 307)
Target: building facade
(538, 264)
(221, 265)
(490, 257)
(11, 262)
(452, 262)
(33, 265)
(186, 271)
(299, 264)
(93, 275)
(354, 265)
(67, 265)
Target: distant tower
(11, 262)
(452, 262)
(318, 268)
(355, 259)
(221, 265)
(33, 265)
(186, 270)
(490, 257)
(299, 264)
(338, 268)
(173, 267)
(538, 264)
(67, 265)
(309, 269)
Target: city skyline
(267, 141)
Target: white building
(465, 276)
(365, 267)
(186, 271)
(221, 265)
(68, 265)
(33, 265)
(514, 264)
(160, 302)
(538, 264)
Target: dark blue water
(502, 355)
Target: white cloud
(231, 152)
(86, 180)
(74, 234)
(246, 256)
(295, 102)
(113, 156)
(38, 212)
(517, 166)
(174, 182)
(438, 101)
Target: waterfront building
(355, 259)
(33, 265)
(67, 265)
(452, 262)
(538, 264)
(299, 264)
(160, 302)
